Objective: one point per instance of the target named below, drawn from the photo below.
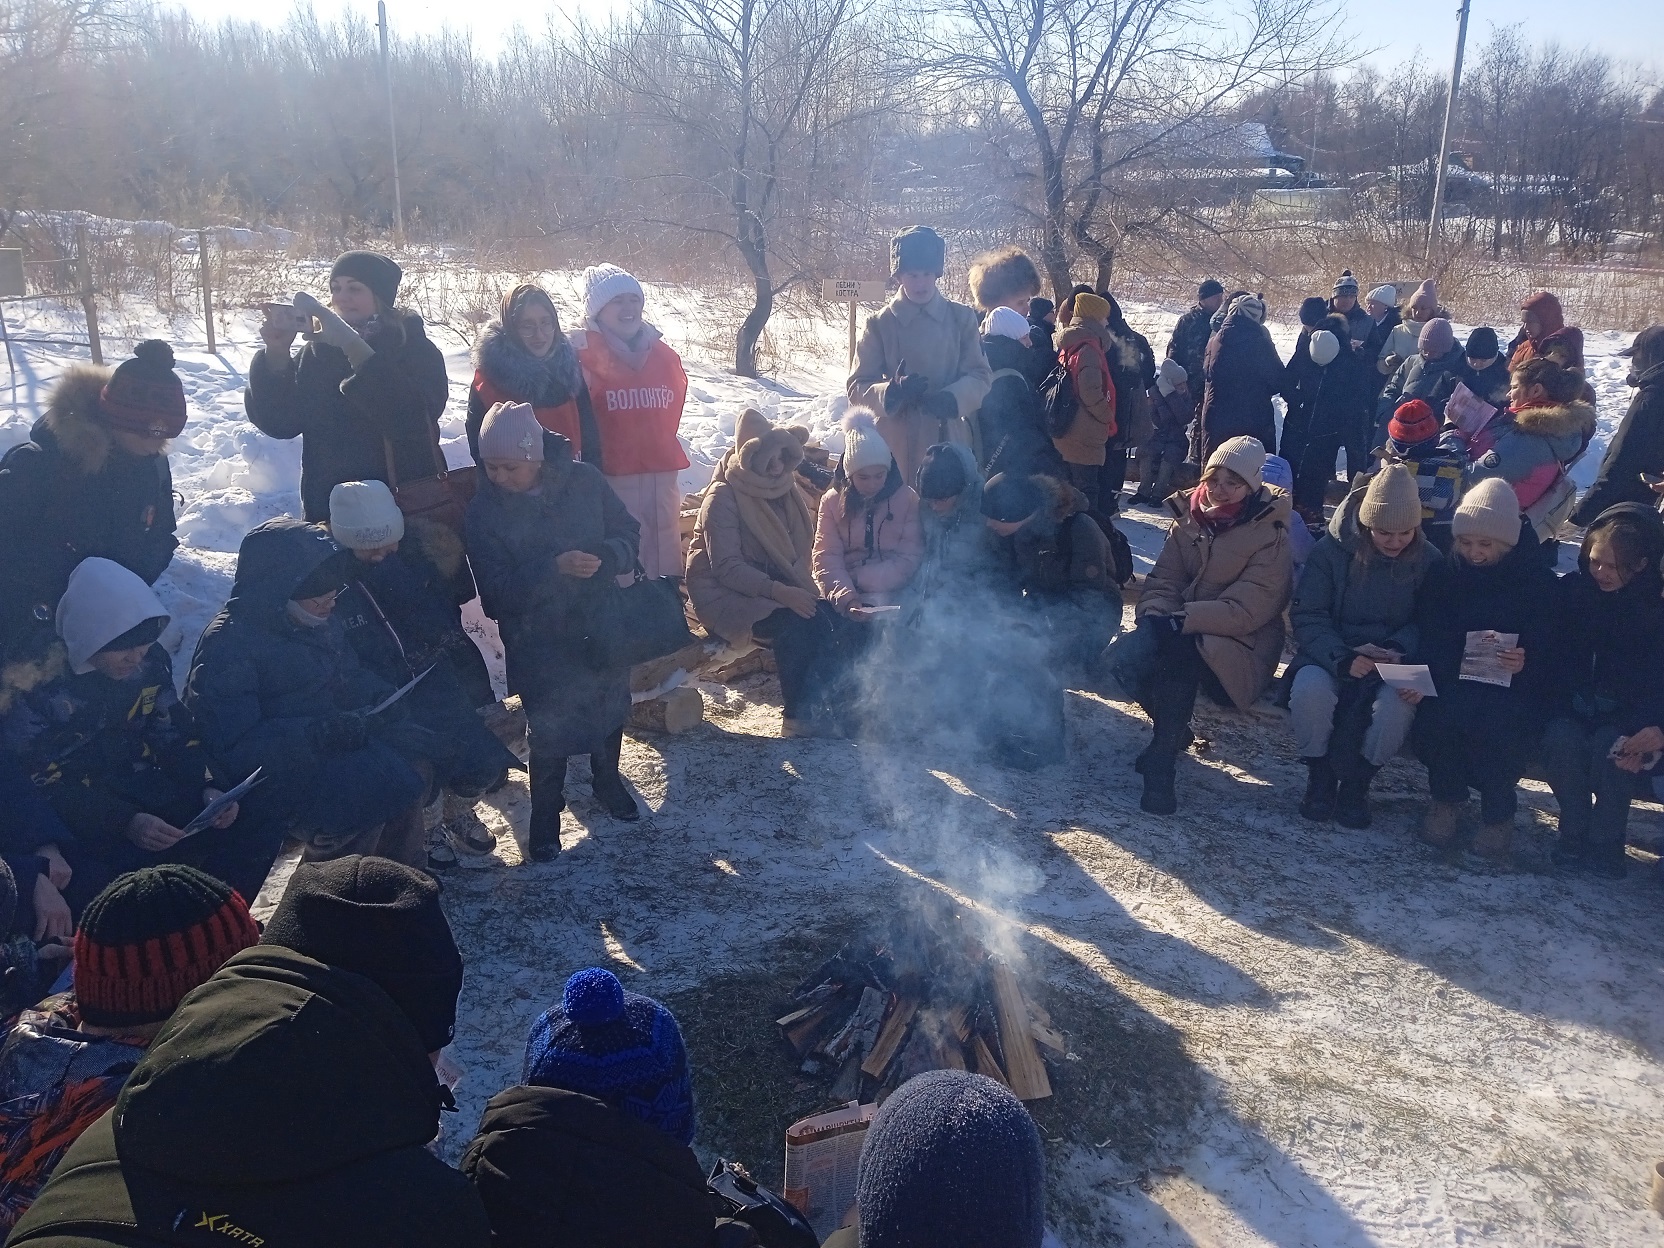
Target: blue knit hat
(952, 1160)
(619, 1047)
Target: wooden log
(1024, 1070)
(680, 710)
(731, 665)
(645, 677)
(983, 1063)
(890, 1037)
(804, 1033)
(1048, 1037)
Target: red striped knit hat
(149, 938)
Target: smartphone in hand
(286, 318)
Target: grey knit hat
(1490, 509)
(511, 431)
(1391, 504)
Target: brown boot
(1438, 828)
(1494, 841)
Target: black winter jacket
(1012, 422)
(1515, 595)
(342, 416)
(70, 493)
(1243, 373)
(286, 1103)
(1637, 447)
(557, 1169)
(1189, 344)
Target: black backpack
(1058, 398)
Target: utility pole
(393, 125)
(1433, 222)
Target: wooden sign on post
(852, 291)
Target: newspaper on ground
(823, 1161)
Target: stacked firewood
(926, 995)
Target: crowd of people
(951, 569)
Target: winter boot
(608, 786)
(1495, 842)
(1159, 797)
(1352, 800)
(1608, 861)
(1571, 849)
(1186, 740)
(1438, 828)
(1608, 826)
(548, 781)
(1319, 803)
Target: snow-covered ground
(1285, 1034)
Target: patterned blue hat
(619, 1047)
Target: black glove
(1171, 625)
(341, 733)
(907, 388)
(941, 406)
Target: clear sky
(1629, 29)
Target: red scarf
(1214, 518)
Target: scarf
(634, 355)
(1216, 519)
(301, 616)
(785, 531)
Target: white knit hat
(511, 431)
(363, 515)
(1170, 376)
(1007, 323)
(605, 282)
(864, 446)
(1490, 509)
(1243, 455)
(102, 601)
(1383, 294)
(1324, 347)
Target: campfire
(926, 995)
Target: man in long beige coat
(919, 361)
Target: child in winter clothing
(1432, 375)
(918, 362)
(1332, 391)
(144, 942)
(92, 481)
(1436, 458)
(523, 357)
(951, 1159)
(1404, 338)
(351, 993)
(1159, 455)
(123, 763)
(1212, 606)
(1083, 349)
(1301, 540)
(638, 388)
(1355, 604)
(1010, 433)
(547, 536)
(1608, 706)
(868, 542)
(591, 1148)
(1478, 734)
(1544, 334)
(1487, 372)
(1299, 380)
(1132, 372)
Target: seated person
(402, 621)
(591, 1148)
(1277, 473)
(1048, 550)
(274, 684)
(1431, 376)
(1476, 734)
(326, 1034)
(1608, 703)
(1437, 458)
(144, 942)
(1487, 371)
(1358, 593)
(951, 1159)
(121, 761)
(1211, 609)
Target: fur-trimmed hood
(71, 426)
(438, 543)
(511, 368)
(1558, 422)
(1062, 500)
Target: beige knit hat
(1490, 509)
(1244, 456)
(1392, 504)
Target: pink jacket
(846, 570)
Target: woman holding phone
(365, 392)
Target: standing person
(1004, 278)
(1431, 375)
(350, 994)
(91, 482)
(1638, 446)
(1083, 349)
(121, 761)
(1544, 333)
(1344, 302)
(1244, 371)
(1357, 594)
(639, 389)
(1332, 392)
(547, 536)
(1132, 371)
(1403, 338)
(918, 362)
(1212, 606)
(1042, 320)
(366, 391)
(1189, 343)
(1608, 707)
(275, 684)
(524, 357)
(1478, 734)
(144, 943)
(1162, 453)
(1487, 368)
(1300, 379)
(1381, 306)
(1011, 434)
